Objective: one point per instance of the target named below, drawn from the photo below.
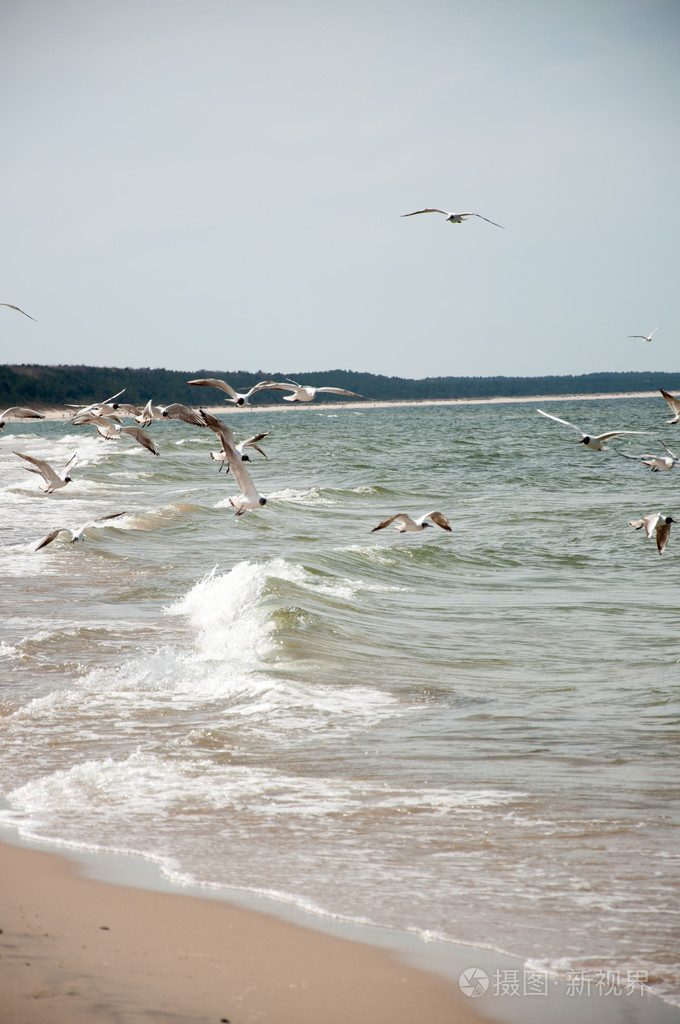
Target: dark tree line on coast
(51, 386)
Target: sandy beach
(75, 950)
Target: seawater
(471, 736)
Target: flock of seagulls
(654, 522)
(107, 418)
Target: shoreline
(93, 935)
(74, 949)
(63, 413)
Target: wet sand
(74, 950)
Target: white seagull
(18, 412)
(54, 481)
(655, 462)
(645, 337)
(404, 524)
(111, 431)
(672, 401)
(76, 534)
(655, 523)
(236, 397)
(96, 407)
(250, 442)
(590, 441)
(305, 392)
(453, 218)
(10, 306)
(249, 497)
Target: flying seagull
(655, 462)
(96, 407)
(589, 440)
(655, 523)
(305, 392)
(453, 218)
(18, 412)
(111, 431)
(672, 401)
(54, 481)
(249, 497)
(250, 442)
(76, 534)
(10, 306)
(236, 397)
(404, 524)
(645, 337)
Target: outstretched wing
(339, 391)
(428, 210)
(386, 522)
(184, 413)
(213, 382)
(50, 537)
(439, 519)
(42, 467)
(566, 423)
(141, 437)
(10, 306)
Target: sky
(220, 184)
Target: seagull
(111, 431)
(404, 524)
(587, 439)
(645, 337)
(671, 399)
(96, 407)
(75, 534)
(236, 397)
(18, 412)
(655, 462)
(10, 306)
(250, 497)
(304, 392)
(655, 522)
(250, 442)
(54, 481)
(454, 218)
(152, 412)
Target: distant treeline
(50, 386)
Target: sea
(467, 736)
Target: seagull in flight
(454, 218)
(655, 462)
(97, 407)
(404, 524)
(111, 431)
(54, 481)
(646, 337)
(672, 401)
(250, 442)
(236, 397)
(10, 306)
(305, 392)
(655, 523)
(18, 412)
(590, 441)
(176, 411)
(76, 534)
(249, 497)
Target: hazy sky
(218, 184)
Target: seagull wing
(22, 413)
(566, 423)
(42, 467)
(386, 522)
(483, 218)
(241, 474)
(141, 437)
(78, 534)
(428, 210)
(439, 519)
(50, 537)
(618, 433)
(339, 391)
(184, 413)
(674, 457)
(10, 306)
(212, 382)
(663, 532)
(673, 402)
(71, 464)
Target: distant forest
(51, 386)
